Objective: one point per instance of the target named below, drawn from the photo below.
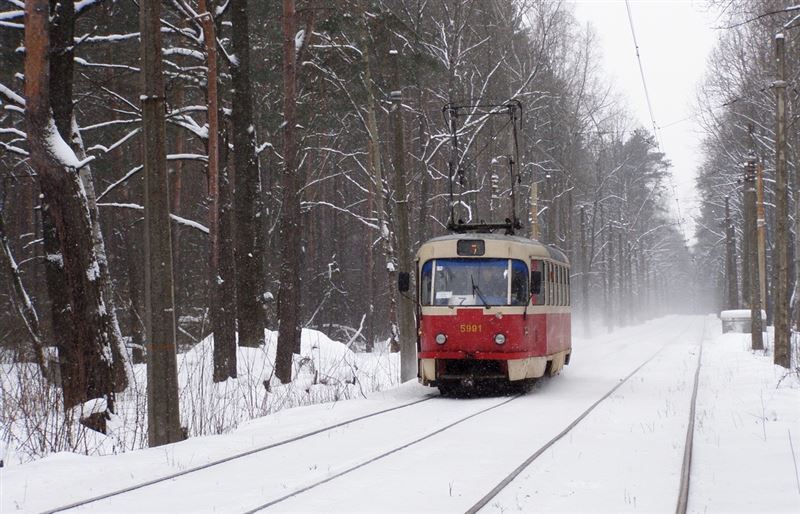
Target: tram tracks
(428, 435)
(683, 493)
(231, 458)
(509, 478)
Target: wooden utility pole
(750, 236)
(534, 214)
(163, 421)
(781, 300)
(584, 275)
(621, 278)
(730, 259)
(405, 312)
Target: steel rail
(519, 469)
(230, 458)
(686, 468)
(381, 456)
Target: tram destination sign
(471, 247)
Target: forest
(304, 153)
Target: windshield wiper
(476, 289)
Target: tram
(492, 306)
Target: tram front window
(471, 282)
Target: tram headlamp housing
(500, 338)
(441, 338)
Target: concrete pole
(782, 332)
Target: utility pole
(405, 312)
(585, 274)
(163, 421)
(781, 301)
(750, 236)
(730, 259)
(534, 211)
(761, 226)
(621, 278)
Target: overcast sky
(675, 38)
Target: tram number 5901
(470, 329)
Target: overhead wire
(641, 72)
(656, 136)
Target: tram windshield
(474, 282)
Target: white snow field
(444, 454)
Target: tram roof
(555, 253)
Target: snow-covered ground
(32, 422)
(624, 456)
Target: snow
(93, 272)
(738, 314)
(58, 147)
(624, 456)
(174, 217)
(11, 95)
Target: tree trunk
(289, 332)
(163, 419)
(730, 259)
(62, 30)
(22, 303)
(225, 283)
(223, 313)
(247, 187)
(374, 165)
(88, 363)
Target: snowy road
(438, 454)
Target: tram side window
(538, 299)
(426, 283)
(546, 282)
(559, 291)
(569, 291)
(519, 283)
(559, 284)
(562, 297)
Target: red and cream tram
(491, 307)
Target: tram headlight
(441, 338)
(500, 339)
